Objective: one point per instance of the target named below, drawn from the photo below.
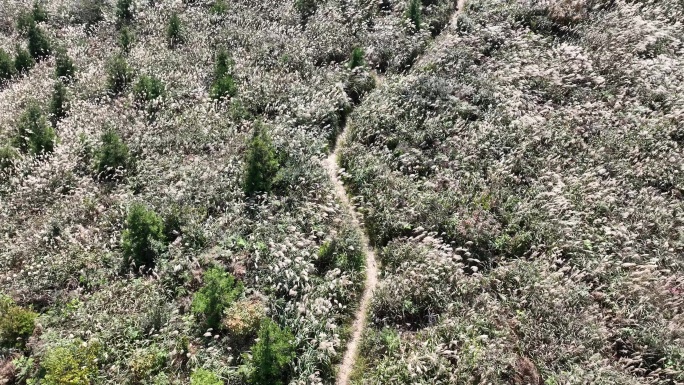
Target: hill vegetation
(166, 216)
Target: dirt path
(371, 282)
(361, 316)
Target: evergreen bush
(6, 66)
(39, 13)
(223, 84)
(413, 13)
(38, 43)
(125, 39)
(219, 291)
(272, 355)
(143, 236)
(147, 89)
(262, 162)
(111, 156)
(25, 22)
(219, 7)
(124, 13)
(34, 135)
(174, 31)
(64, 66)
(7, 156)
(223, 87)
(23, 61)
(356, 59)
(223, 64)
(119, 75)
(16, 324)
(59, 104)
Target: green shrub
(64, 66)
(23, 61)
(71, 364)
(25, 22)
(272, 355)
(34, 135)
(88, 12)
(7, 156)
(204, 377)
(119, 75)
(306, 8)
(125, 39)
(146, 362)
(219, 291)
(223, 84)
(223, 64)
(262, 162)
(223, 87)
(219, 7)
(148, 88)
(174, 31)
(124, 13)
(59, 104)
(413, 13)
(111, 156)
(16, 324)
(143, 236)
(38, 43)
(6, 66)
(357, 59)
(39, 13)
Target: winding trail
(371, 282)
(361, 316)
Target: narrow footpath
(371, 282)
(361, 316)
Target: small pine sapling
(7, 69)
(23, 62)
(34, 135)
(59, 104)
(356, 59)
(143, 237)
(262, 162)
(174, 31)
(64, 66)
(413, 14)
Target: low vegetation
(33, 134)
(166, 216)
(217, 294)
(59, 103)
(142, 239)
(174, 31)
(262, 162)
(119, 74)
(16, 324)
(112, 157)
(516, 183)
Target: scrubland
(165, 216)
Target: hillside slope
(523, 183)
(171, 209)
